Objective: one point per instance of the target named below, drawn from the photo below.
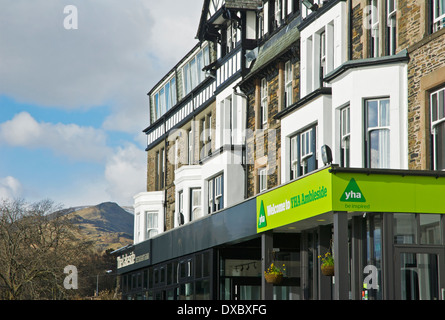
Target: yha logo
(352, 193)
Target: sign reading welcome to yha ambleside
(302, 199)
(324, 191)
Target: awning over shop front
(351, 190)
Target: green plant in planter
(327, 260)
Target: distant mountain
(107, 225)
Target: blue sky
(73, 102)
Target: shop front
(384, 229)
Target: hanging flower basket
(327, 270)
(327, 264)
(273, 278)
(273, 274)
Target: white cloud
(120, 49)
(125, 173)
(10, 188)
(69, 140)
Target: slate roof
(275, 46)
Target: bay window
(303, 157)
(377, 133)
(438, 128)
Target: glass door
(419, 274)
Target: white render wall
(334, 23)
(317, 111)
(354, 87)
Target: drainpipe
(165, 176)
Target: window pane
(434, 107)
(441, 104)
(379, 148)
(430, 229)
(173, 91)
(167, 96)
(372, 114)
(440, 146)
(384, 113)
(405, 228)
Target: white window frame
(438, 15)
(392, 25)
(345, 134)
(192, 71)
(306, 145)
(278, 12)
(437, 118)
(193, 205)
(152, 223)
(264, 102)
(180, 206)
(210, 195)
(323, 50)
(294, 155)
(288, 77)
(384, 162)
(375, 28)
(262, 179)
(190, 146)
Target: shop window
(430, 232)
(345, 129)
(405, 231)
(438, 128)
(422, 229)
(438, 14)
(377, 133)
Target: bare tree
(37, 241)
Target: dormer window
(165, 98)
(192, 71)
